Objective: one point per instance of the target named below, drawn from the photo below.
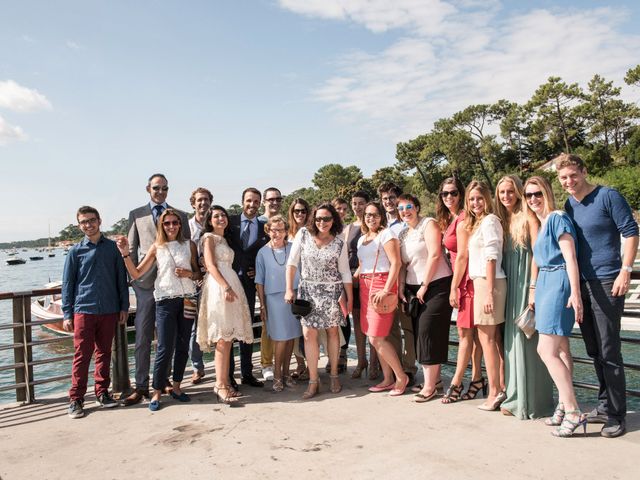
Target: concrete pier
(353, 434)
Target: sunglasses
(299, 211)
(445, 194)
(530, 195)
(157, 188)
(371, 215)
(171, 223)
(402, 208)
(273, 200)
(324, 219)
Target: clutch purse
(526, 322)
(412, 305)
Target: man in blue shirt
(95, 296)
(601, 215)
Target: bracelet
(125, 256)
(532, 285)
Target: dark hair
(339, 201)
(381, 212)
(251, 190)
(336, 225)
(407, 197)
(361, 194)
(157, 175)
(192, 198)
(208, 227)
(389, 187)
(85, 210)
(270, 189)
(443, 215)
(161, 235)
(293, 226)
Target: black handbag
(412, 304)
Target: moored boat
(15, 261)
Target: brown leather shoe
(135, 397)
(197, 377)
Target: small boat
(49, 308)
(36, 257)
(15, 261)
(52, 255)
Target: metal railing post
(23, 355)
(121, 383)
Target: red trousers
(92, 333)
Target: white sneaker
(267, 374)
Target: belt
(553, 268)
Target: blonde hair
(515, 223)
(568, 160)
(547, 194)
(276, 219)
(472, 221)
(161, 235)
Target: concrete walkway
(354, 434)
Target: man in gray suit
(142, 234)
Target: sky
(95, 96)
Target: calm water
(34, 274)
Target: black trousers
(431, 324)
(601, 333)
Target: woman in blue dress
(282, 325)
(557, 299)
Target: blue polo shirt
(600, 219)
(94, 279)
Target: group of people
(394, 273)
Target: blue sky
(97, 95)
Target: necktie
(157, 211)
(244, 236)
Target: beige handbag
(526, 322)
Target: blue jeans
(601, 334)
(173, 332)
(194, 349)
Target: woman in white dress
(224, 313)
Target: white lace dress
(219, 319)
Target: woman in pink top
(450, 216)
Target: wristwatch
(627, 269)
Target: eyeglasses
(405, 207)
(390, 198)
(299, 211)
(89, 221)
(324, 219)
(530, 195)
(371, 215)
(171, 223)
(273, 200)
(157, 188)
(276, 230)
(445, 193)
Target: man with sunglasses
(601, 216)
(272, 202)
(142, 234)
(246, 236)
(401, 333)
(95, 296)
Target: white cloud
(21, 99)
(10, 134)
(456, 53)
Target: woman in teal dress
(528, 385)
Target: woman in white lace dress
(324, 275)
(177, 262)
(224, 312)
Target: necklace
(273, 252)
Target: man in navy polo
(95, 296)
(601, 216)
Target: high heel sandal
(439, 388)
(568, 427)
(342, 362)
(335, 384)
(557, 417)
(311, 392)
(474, 388)
(299, 369)
(501, 397)
(357, 372)
(278, 386)
(227, 399)
(374, 372)
(454, 392)
(289, 381)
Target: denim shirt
(94, 279)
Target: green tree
(234, 209)
(70, 232)
(121, 227)
(334, 180)
(633, 76)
